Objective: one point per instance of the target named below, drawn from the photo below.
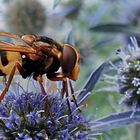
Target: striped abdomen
(7, 61)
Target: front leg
(62, 77)
(58, 77)
(48, 106)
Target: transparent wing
(6, 46)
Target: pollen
(136, 82)
(137, 65)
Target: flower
(129, 75)
(25, 18)
(24, 116)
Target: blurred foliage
(26, 17)
(72, 9)
(115, 21)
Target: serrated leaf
(70, 39)
(117, 28)
(91, 82)
(117, 120)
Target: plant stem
(135, 130)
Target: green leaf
(90, 83)
(117, 28)
(116, 120)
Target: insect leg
(20, 69)
(61, 77)
(58, 77)
(72, 93)
(63, 89)
(67, 94)
(40, 80)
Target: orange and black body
(36, 56)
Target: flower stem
(135, 129)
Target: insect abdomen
(7, 61)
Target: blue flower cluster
(129, 75)
(24, 116)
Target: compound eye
(68, 59)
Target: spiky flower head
(24, 116)
(129, 75)
(26, 17)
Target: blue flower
(26, 117)
(128, 75)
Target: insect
(39, 55)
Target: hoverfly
(39, 55)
